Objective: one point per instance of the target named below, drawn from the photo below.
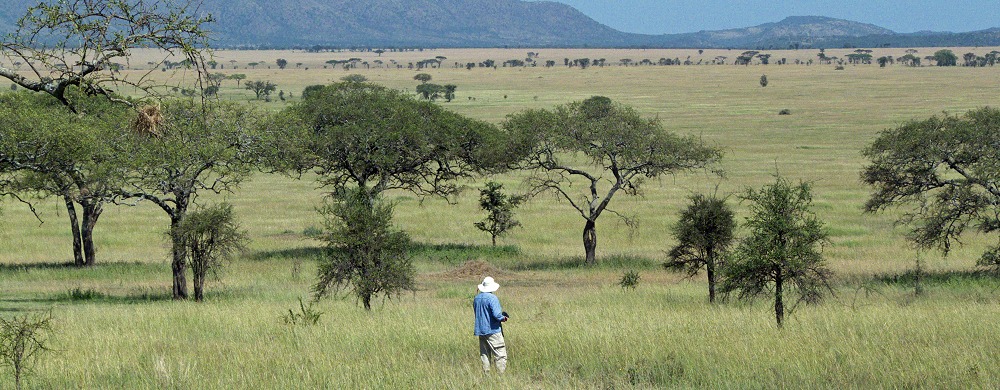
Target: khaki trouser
(493, 345)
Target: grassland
(572, 327)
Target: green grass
(572, 326)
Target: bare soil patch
(473, 270)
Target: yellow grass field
(571, 327)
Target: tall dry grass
(572, 327)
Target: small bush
(78, 294)
(499, 208)
(306, 315)
(211, 237)
(22, 341)
(313, 232)
(785, 111)
(364, 251)
(354, 78)
(630, 280)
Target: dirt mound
(474, 269)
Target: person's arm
(497, 310)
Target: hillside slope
(440, 23)
(506, 23)
(806, 30)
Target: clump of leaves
(307, 315)
(313, 232)
(23, 339)
(79, 294)
(630, 280)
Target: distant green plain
(571, 326)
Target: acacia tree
(449, 92)
(237, 77)
(500, 208)
(782, 247)
(945, 57)
(362, 140)
(211, 236)
(423, 78)
(942, 173)
(261, 87)
(704, 234)
(368, 136)
(363, 250)
(215, 80)
(47, 150)
(621, 148)
(430, 91)
(198, 148)
(77, 43)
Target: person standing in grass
(489, 315)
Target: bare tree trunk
(367, 301)
(494, 240)
(179, 264)
(710, 269)
(74, 224)
(779, 307)
(590, 242)
(91, 212)
(199, 286)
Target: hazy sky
(680, 16)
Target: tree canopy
(943, 173)
(77, 43)
(620, 150)
(369, 136)
(945, 57)
(47, 150)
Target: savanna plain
(571, 326)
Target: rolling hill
(507, 23)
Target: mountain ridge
(509, 23)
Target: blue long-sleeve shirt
(488, 314)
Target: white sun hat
(488, 285)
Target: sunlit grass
(571, 327)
